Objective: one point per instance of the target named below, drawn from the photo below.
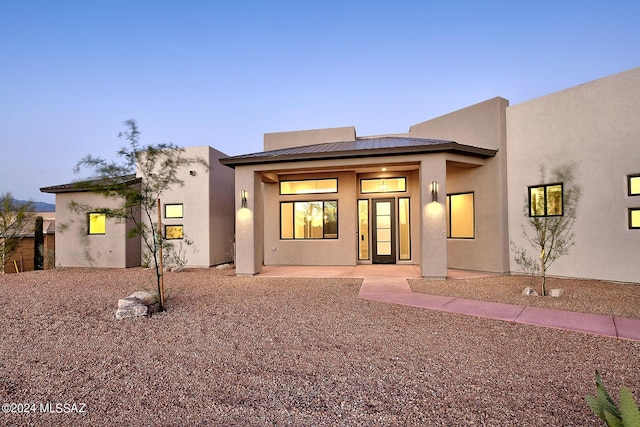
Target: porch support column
(249, 222)
(433, 224)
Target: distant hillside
(40, 206)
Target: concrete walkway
(388, 283)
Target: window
(383, 185)
(634, 218)
(363, 229)
(460, 216)
(174, 210)
(309, 186)
(173, 232)
(309, 220)
(404, 234)
(545, 200)
(97, 223)
(633, 182)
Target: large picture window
(309, 220)
(545, 200)
(309, 186)
(97, 223)
(460, 216)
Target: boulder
(529, 292)
(135, 310)
(223, 266)
(556, 292)
(145, 297)
(128, 302)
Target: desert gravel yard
(271, 351)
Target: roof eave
(451, 147)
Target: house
(450, 192)
(197, 219)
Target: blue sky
(224, 73)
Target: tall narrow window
(633, 184)
(404, 232)
(545, 200)
(363, 229)
(97, 223)
(309, 220)
(460, 216)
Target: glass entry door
(383, 231)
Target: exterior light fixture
(434, 191)
(243, 197)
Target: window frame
(173, 238)
(631, 226)
(166, 205)
(293, 220)
(408, 199)
(546, 201)
(449, 216)
(89, 215)
(404, 178)
(629, 179)
(308, 180)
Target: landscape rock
(145, 297)
(135, 310)
(529, 292)
(556, 292)
(178, 269)
(128, 302)
(223, 266)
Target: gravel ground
(272, 351)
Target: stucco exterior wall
(76, 248)
(207, 198)
(481, 125)
(278, 140)
(596, 128)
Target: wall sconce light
(434, 191)
(243, 197)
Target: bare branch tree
(551, 236)
(157, 168)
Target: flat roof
(361, 147)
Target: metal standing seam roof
(366, 147)
(89, 185)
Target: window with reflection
(309, 219)
(545, 200)
(460, 216)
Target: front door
(383, 231)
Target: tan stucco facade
(76, 248)
(207, 202)
(594, 127)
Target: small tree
(549, 236)
(16, 219)
(157, 167)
